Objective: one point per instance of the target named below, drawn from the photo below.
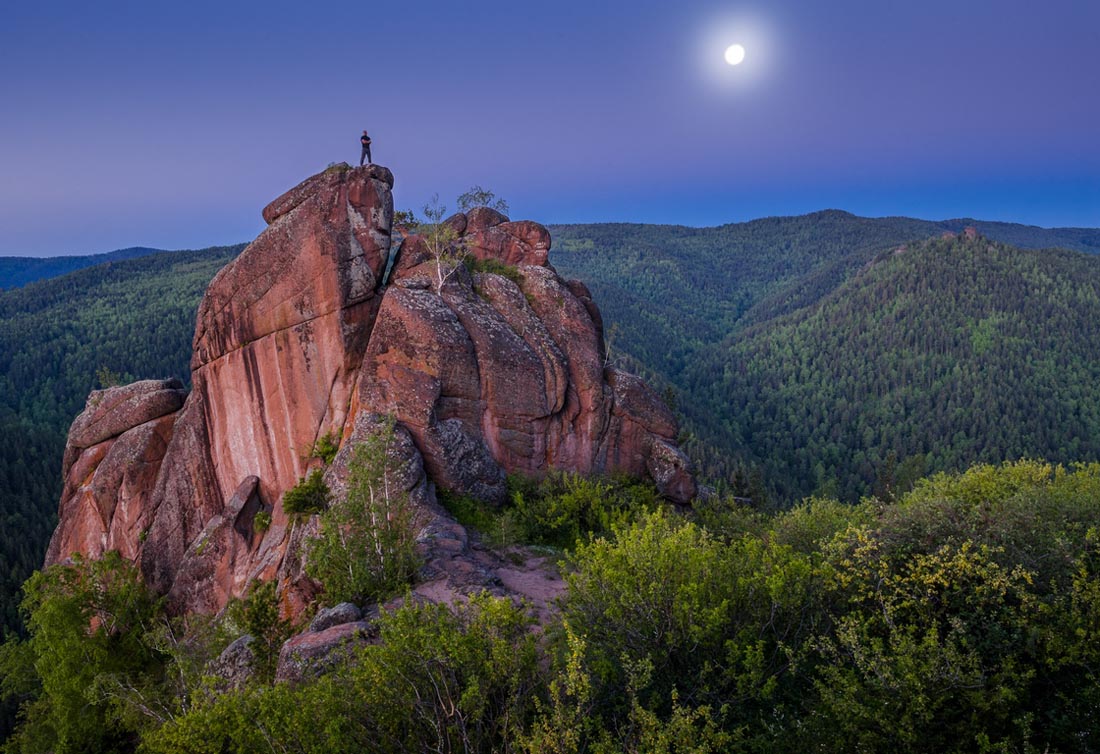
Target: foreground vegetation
(963, 617)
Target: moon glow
(735, 54)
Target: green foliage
(556, 510)
(326, 447)
(136, 314)
(477, 196)
(258, 614)
(309, 496)
(405, 219)
(107, 377)
(440, 680)
(261, 522)
(366, 549)
(495, 267)
(964, 617)
(19, 271)
(86, 622)
(560, 508)
(442, 242)
(805, 352)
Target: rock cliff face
(485, 374)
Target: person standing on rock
(365, 141)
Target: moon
(735, 54)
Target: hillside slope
(934, 357)
(18, 271)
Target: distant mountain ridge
(18, 271)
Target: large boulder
(297, 339)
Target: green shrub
(326, 447)
(309, 496)
(556, 510)
(87, 622)
(258, 615)
(441, 679)
(562, 508)
(262, 522)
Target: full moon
(735, 54)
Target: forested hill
(676, 298)
(132, 318)
(674, 291)
(17, 271)
(945, 354)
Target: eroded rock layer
(485, 374)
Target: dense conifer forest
(60, 339)
(18, 271)
(804, 357)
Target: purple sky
(171, 125)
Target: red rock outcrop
(297, 338)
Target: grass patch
(495, 267)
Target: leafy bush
(309, 496)
(87, 621)
(261, 522)
(965, 617)
(440, 680)
(562, 508)
(477, 196)
(326, 447)
(556, 510)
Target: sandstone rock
(234, 664)
(296, 339)
(310, 654)
(515, 243)
(337, 615)
(457, 223)
(482, 218)
(111, 412)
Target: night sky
(172, 124)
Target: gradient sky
(172, 124)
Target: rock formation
(297, 339)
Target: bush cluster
(309, 496)
(964, 617)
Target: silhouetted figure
(365, 141)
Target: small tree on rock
(442, 242)
(481, 197)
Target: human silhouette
(365, 141)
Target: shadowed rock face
(295, 339)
